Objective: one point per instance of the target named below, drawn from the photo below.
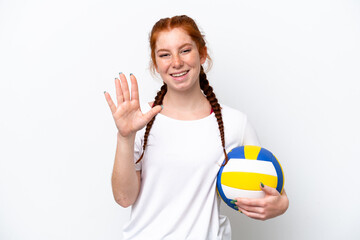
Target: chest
(184, 144)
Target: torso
(178, 197)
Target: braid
(210, 95)
(158, 101)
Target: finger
(252, 214)
(119, 95)
(110, 102)
(125, 87)
(250, 202)
(269, 190)
(258, 210)
(151, 113)
(134, 88)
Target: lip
(180, 78)
(179, 72)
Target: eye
(164, 55)
(186, 50)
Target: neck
(186, 105)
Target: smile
(179, 74)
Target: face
(178, 60)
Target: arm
(128, 119)
(273, 204)
(125, 179)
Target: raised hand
(127, 114)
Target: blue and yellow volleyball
(247, 167)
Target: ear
(203, 56)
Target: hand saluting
(127, 114)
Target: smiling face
(178, 60)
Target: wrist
(126, 139)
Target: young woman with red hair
(169, 151)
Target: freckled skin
(176, 52)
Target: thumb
(152, 112)
(269, 190)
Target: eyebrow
(179, 47)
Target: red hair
(189, 26)
(185, 23)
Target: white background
(292, 66)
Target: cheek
(161, 69)
(161, 66)
(195, 61)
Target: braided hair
(189, 25)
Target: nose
(177, 61)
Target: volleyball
(247, 167)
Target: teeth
(179, 74)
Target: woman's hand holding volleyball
(127, 114)
(272, 205)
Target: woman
(167, 170)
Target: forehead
(174, 38)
